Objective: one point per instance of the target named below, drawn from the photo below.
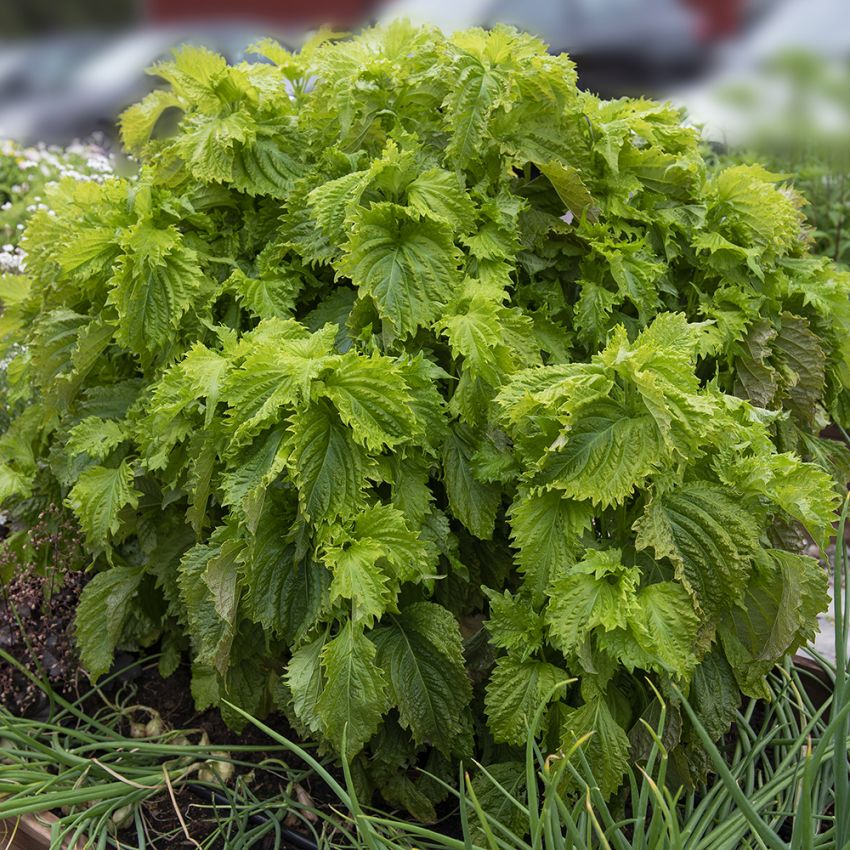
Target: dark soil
(171, 699)
(165, 828)
(37, 632)
(37, 605)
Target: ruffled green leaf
(328, 465)
(473, 502)
(355, 694)
(514, 693)
(99, 496)
(777, 615)
(606, 747)
(103, 609)
(709, 537)
(604, 456)
(408, 267)
(420, 649)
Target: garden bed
(191, 813)
(468, 422)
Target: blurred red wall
(283, 11)
(721, 17)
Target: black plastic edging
(290, 837)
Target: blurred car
(13, 57)
(84, 95)
(35, 67)
(746, 92)
(620, 46)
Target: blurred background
(766, 80)
(68, 68)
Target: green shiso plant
(408, 389)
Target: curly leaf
(547, 529)
(421, 651)
(356, 693)
(514, 693)
(604, 456)
(409, 267)
(474, 503)
(606, 748)
(776, 616)
(709, 537)
(329, 467)
(99, 496)
(102, 611)
(372, 398)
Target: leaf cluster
(404, 333)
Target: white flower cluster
(12, 260)
(79, 161)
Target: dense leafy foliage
(405, 333)
(26, 173)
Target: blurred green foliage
(808, 139)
